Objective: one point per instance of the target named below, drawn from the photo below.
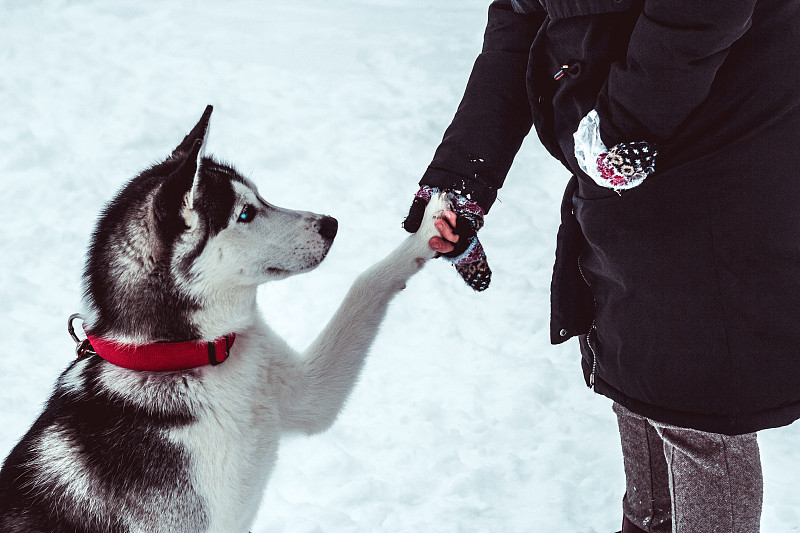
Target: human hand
(458, 242)
(448, 238)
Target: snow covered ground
(465, 419)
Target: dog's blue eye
(248, 213)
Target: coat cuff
(478, 191)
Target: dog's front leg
(330, 366)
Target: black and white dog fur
(178, 254)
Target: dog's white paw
(437, 205)
(410, 256)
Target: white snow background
(465, 418)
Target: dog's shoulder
(95, 457)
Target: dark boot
(628, 527)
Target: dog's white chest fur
(234, 442)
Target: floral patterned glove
(468, 256)
(624, 166)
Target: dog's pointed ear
(192, 149)
(199, 132)
(174, 200)
(195, 155)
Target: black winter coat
(684, 289)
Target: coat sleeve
(675, 50)
(494, 115)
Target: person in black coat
(678, 256)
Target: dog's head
(189, 238)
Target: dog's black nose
(328, 226)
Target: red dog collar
(162, 356)
(155, 357)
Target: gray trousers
(682, 480)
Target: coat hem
(710, 423)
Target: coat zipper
(591, 329)
(594, 356)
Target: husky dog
(177, 256)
